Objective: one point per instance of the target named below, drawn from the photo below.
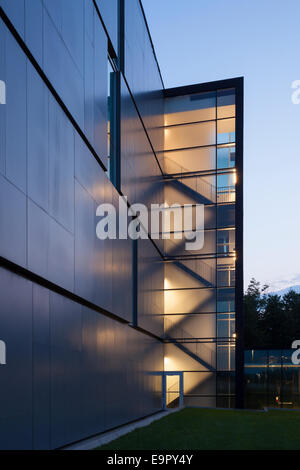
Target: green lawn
(194, 428)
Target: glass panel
(190, 273)
(225, 383)
(226, 131)
(188, 160)
(174, 247)
(226, 156)
(190, 325)
(226, 300)
(190, 301)
(190, 108)
(225, 325)
(226, 215)
(191, 190)
(200, 401)
(173, 390)
(199, 383)
(226, 241)
(190, 135)
(226, 187)
(226, 272)
(226, 356)
(226, 103)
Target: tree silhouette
(271, 321)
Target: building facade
(97, 333)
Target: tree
(271, 321)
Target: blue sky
(204, 40)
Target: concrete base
(106, 437)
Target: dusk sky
(204, 40)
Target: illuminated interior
(199, 293)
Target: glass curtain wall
(199, 323)
(271, 378)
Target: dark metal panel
(62, 71)
(142, 72)
(16, 375)
(66, 351)
(88, 171)
(73, 29)
(140, 175)
(41, 368)
(61, 167)
(15, 114)
(100, 99)
(61, 256)
(2, 107)
(109, 13)
(89, 13)
(85, 269)
(38, 222)
(54, 8)
(89, 87)
(34, 28)
(50, 248)
(93, 372)
(15, 10)
(150, 288)
(107, 247)
(122, 276)
(12, 223)
(37, 139)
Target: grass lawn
(194, 428)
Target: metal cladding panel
(122, 271)
(2, 108)
(61, 167)
(150, 288)
(100, 90)
(73, 29)
(41, 368)
(89, 84)
(71, 372)
(100, 67)
(15, 10)
(84, 244)
(55, 10)
(15, 108)
(34, 27)
(93, 372)
(89, 13)
(16, 375)
(50, 248)
(88, 171)
(142, 73)
(12, 223)
(61, 256)
(109, 13)
(62, 71)
(141, 179)
(37, 139)
(38, 222)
